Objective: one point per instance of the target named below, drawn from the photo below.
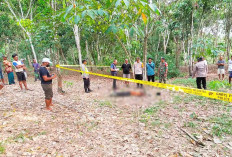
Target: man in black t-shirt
(126, 71)
(46, 82)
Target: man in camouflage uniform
(163, 70)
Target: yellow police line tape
(97, 66)
(205, 93)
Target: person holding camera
(46, 82)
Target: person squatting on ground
(1, 74)
(36, 67)
(46, 82)
(150, 70)
(126, 67)
(114, 72)
(85, 77)
(230, 69)
(138, 71)
(163, 71)
(221, 68)
(9, 70)
(200, 71)
(19, 70)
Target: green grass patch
(106, 104)
(2, 149)
(222, 125)
(190, 124)
(19, 137)
(218, 85)
(185, 82)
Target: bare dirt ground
(96, 124)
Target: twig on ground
(193, 138)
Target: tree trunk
(77, 38)
(145, 51)
(190, 43)
(29, 61)
(62, 54)
(98, 51)
(28, 33)
(59, 76)
(127, 53)
(87, 51)
(228, 30)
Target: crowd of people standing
(42, 73)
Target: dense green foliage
(178, 30)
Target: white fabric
(18, 63)
(47, 60)
(84, 68)
(126, 75)
(138, 69)
(221, 71)
(230, 65)
(205, 62)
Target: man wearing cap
(9, 70)
(19, 69)
(200, 71)
(46, 82)
(163, 70)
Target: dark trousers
(86, 83)
(139, 77)
(149, 78)
(114, 81)
(201, 80)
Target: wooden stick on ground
(193, 138)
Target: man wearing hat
(200, 71)
(46, 82)
(163, 70)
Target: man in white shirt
(85, 77)
(230, 69)
(19, 70)
(138, 70)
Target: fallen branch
(193, 138)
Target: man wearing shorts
(230, 69)
(46, 82)
(126, 67)
(221, 68)
(19, 70)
